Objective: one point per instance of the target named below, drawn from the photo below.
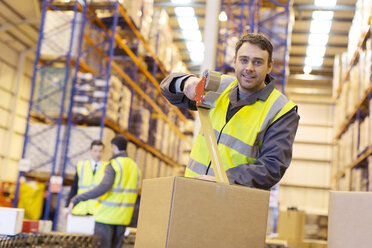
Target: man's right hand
(190, 86)
(66, 211)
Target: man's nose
(249, 66)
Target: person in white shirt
(89, 173)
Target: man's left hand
(70, 207)
(206, 178)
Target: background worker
(255, 124)
(117, 194)
(89, 173)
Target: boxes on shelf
(57, 33)
(133, 9)
(141, 161)
(221, 209)
(369, 159)
(140, 121)
(125, 106)
(11, 220)
(344, 182)
(349, 219)
(48, 92)
(358, 179)
(337, 74)
(149, 166)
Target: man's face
(251, 66)
(96, 152)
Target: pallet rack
(357, 115)
(257, 16)
(75, 60)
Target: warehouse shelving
(364, 37)
(359, 111)
(271, 17)
(74, 61)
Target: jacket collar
(262, 94)
(121, 154)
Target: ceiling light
(222, 16)
(320, 26)
(323, 15)
(188, 23)
(197, 57)
(307, 69)
(194, 46)
(318, 39)
(193, 35)
(325, 3)
(184, 11)
(181, 1)
(315, 51)
(314, 61)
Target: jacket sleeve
(274, 157)
(104, 186)
(168, 89)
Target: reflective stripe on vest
(86, 182)
(116, 206)
(240, 139)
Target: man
(254, 123)
(89, 173)
(117, 194)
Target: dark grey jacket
(105, 185)
(275, 154)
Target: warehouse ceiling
(319, 82)
(19, 22)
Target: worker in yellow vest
(255, 124)
(117, 195)
(89, 173)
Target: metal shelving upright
(54, 140)
(268, 17)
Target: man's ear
(270, 66)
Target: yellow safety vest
(86, 182)
(240, 139)
(116, 206)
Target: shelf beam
(147, 98)
(148, 75)
(362, 157)
(143, 145)
(361, 43)
(349, 119)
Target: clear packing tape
(206, 96)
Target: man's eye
(258, 62)
(244, 61)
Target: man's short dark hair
(96, 143)
(120, 141)
(258, 39)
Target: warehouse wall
(13, 107)
(307, 181)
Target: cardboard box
(80, 224)
(11, 220)
(291, 225)
(350, 220)
(178, 212)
